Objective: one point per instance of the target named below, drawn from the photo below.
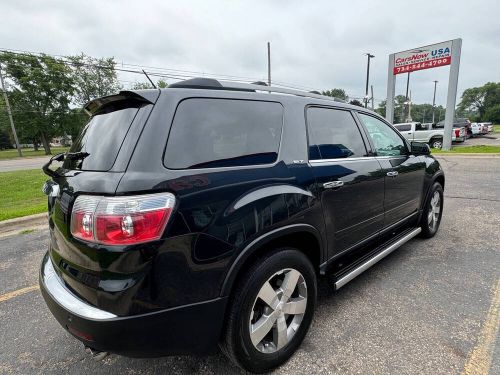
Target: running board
(379, 254)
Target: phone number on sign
(423, 65)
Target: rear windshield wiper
(77, 155)
(61, 157)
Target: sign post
(427, 57)
(452, 93)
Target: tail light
(121, 220)
(457, 133)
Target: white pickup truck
(426, 133)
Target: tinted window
(102, 137)
(420, 126)
(403, 128)
(209, 133)
(387, 141)
(333, 134)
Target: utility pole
(9, 113)
(434, 101)
(370, 56)
(409, 109)
(268, 64)
(407, 88)
(373, 105)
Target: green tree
(72, 122)
(161, 84)
(399, 108)
(480, 99)
(92, 78)
(4, 140)
(493, 114)
(42, 88)
(336, 93)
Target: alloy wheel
(278, 310)
(434, 211)
(437, 144)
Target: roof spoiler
(145, 96)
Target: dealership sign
(426, 57)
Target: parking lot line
(479, 359)
(18, 292)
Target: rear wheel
(271, 310)
(433, 210)
(436, 143)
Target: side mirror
(419, 148)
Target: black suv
(201, 215)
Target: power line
(159, 72)
(178, 73)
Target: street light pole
(367, 77)
(268, 64)
(434, 101)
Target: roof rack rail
(213, 84)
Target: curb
(477, 155)
(20, 223)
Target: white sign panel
(426, 57)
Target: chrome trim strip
(370, 262)
(66, 299)
(340, 160)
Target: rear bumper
(181, 330)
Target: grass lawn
(470, 150)
(29, 152)
(21, 193)
(496, 128)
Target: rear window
(210, 133)
(103, 136)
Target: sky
(314, 44)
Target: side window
(333, 134)
(403, 128)
(420, 126)
(387, 142)
(210, 133)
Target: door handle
(333, 184)
(392, 174)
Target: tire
(247, 311)
(436, 143)
(433, 211)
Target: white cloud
(315, 44)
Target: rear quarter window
(211, 133)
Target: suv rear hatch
(93, 168)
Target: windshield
(102, 138)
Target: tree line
(47, 94)
(478, 104)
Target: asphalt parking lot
(431, 307)
(490, 139)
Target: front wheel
(271, 310)
(433, 210)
